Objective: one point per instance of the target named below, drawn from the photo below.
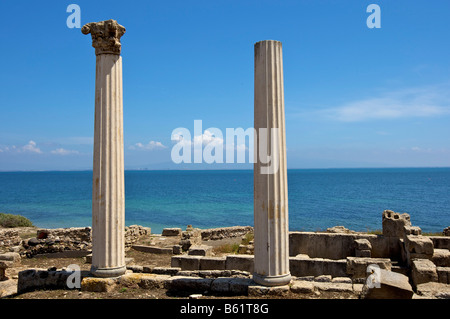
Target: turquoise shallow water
(318, 198)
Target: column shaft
(270, 185)
(108, 197)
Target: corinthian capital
(105, 36)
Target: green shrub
(11, 221)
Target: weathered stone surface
(441, 257)
(317, 266)
(171, 232)
(240, 262)
(11, 256)
(183, 284)
(200, 250)
(192, 236)
(9, 237)
(302, 287)
(153, 249)
(418, 247)
(225, 232)
(339, 230)
(342, 280)
(8, 287)
(443, 274)
(134, 232)
(143, 281)
(391, 286)
(186, 262)
(32, 279)
(363, 244)
(363, 253)
(394, 223)
(105, 36)
(323, 278)
(446, 231)
(334, 287)
(357, 266)
(94, 284)
(210, 263)
(434, 290)
(423, 270)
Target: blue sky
(354, 96)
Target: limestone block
(240, 262)
(363, 253)
(394, 223)
(200, 250)
(418, 247)
(342, 280)
(302, 287)
(443, 274)
(441, 257)
(413, 230)
(323, 278)
(188, 284)
(334, 287)
(12, 257)
(94, 284)
(186, 262)
(357, 266)
(210, 263)
(171, 232)
(423, 270)
(391, 286)
(363, 244)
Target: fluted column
(271, 229)
(108, 194)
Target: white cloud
(152, 145)
(208, 138)
(418, 102)
(30, 147)
(62, 151)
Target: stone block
(363, 253)
(342, 280)
(323, 278)
(94, 284)
(441, 257)
(423, 270)
(419, 245)
(200, 250)
(302, 287)
(357, 266)
(12, 257)
(363, 244)
(334, 287)
(390, 285)
(153, 249)
(394, 223)
(240, 262)
(443, 274)
(213, 263)
(171, 232)
(186, 262)
(181, 284)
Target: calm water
(318, 199)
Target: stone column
(271, 229)
(108, 194)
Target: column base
(108, 272)
(272, 281)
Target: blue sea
(318, 198)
